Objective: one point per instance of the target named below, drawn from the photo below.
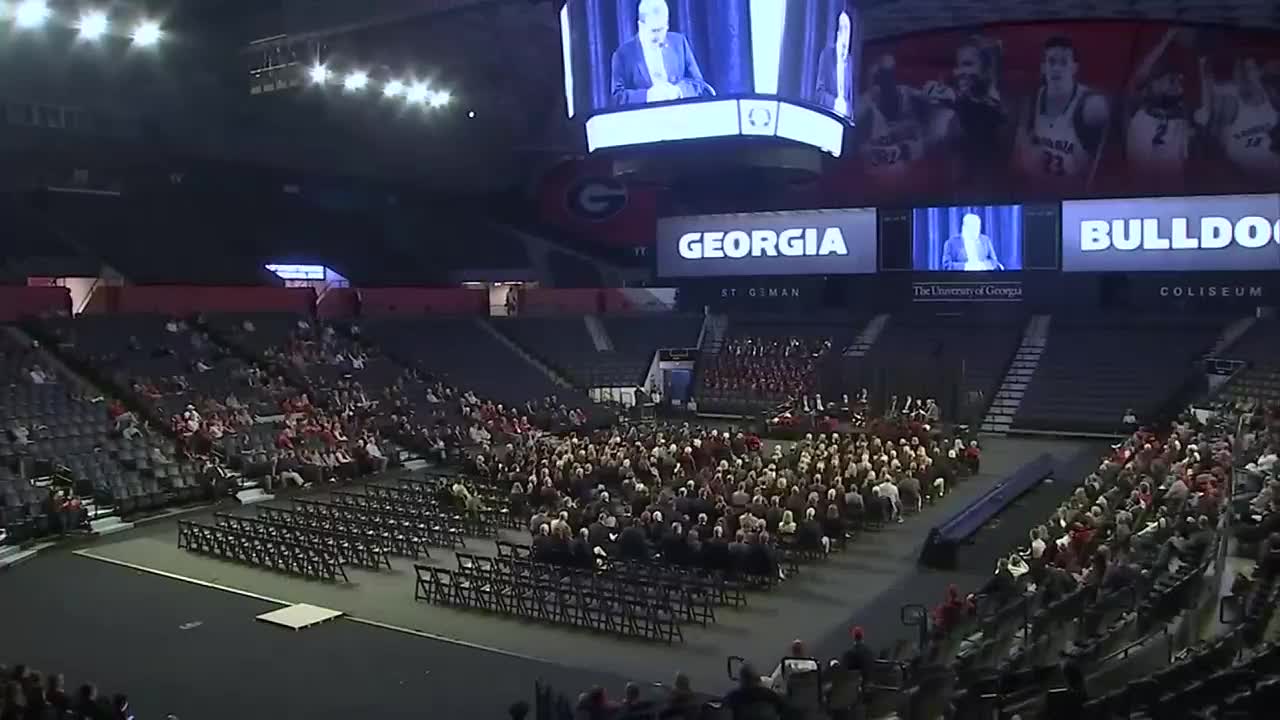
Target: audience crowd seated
(692, 495)
(1144, 518)
(28, 694)
(767, 368)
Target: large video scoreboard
(1171, 234)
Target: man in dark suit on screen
(971, 250)
(835, 70)
(655, 65)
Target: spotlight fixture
(440, 99)
(146, 33)
(395, 88)
(418, 93)
(319, 74)
(30, 14)
(93, 24)
(356, 81)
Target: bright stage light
(356, 81)
(418, 93)
(395, 88)
(30, 14)
(319, 74)
(440, 99)
(93, 25)
(147, 32)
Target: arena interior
(639, 359)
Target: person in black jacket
(580, 550)
(859, 658)
(632, 543)
(751, 694)
(542, 545)
(715, 552)
(739, 553)
(674, 549)
(810, 534)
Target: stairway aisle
(715, 327)
(1003, 408)
(867, 337)
(515, 347)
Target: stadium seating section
(1093, 371)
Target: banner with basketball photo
(1067, 109)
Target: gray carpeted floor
(179, 648)
(866, 585)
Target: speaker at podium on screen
(655, 64)
(835, 80)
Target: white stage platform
(297, 617)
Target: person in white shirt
(375, 455)
(889, 491)
(1263, 465)
(1037, 543)
(835, 70)
(797, 662)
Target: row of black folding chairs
(694, 604)
(351, 549)
(282, 555)
(565, 603)
(759, 580)
(444, 517)
(724, 591)
(481, 523)
(497, 501)
(491, 496)
(405, 543)
(433, 531)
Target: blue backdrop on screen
(967, 238)
(815, 64)
(806, 51)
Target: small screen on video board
(967, 238)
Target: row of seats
(625, 609)
(1089, 376)
(565, 343)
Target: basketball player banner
(1080, 109)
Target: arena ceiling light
(418, 93)
(93, 25)
(146, 33)
(356, 81)
(31, 14)
(440, 99)
(319, 74)
(395, 88)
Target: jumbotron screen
(646, 71)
